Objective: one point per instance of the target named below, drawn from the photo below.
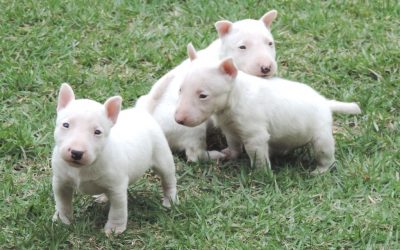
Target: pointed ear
(113, 106)
(65, 96)
(228, 67)
(191, 52)
(269, 17)
(223, 27)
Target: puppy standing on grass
(100, 150)
(265, 115)
(252, 46)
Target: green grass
(347, 50)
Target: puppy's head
(250, 43)
(205, 89)
(83, 126)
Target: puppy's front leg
(63, 197)
(257, 149)
(234, 146)
(118, 214)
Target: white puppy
(252, 46)
(100, 150)
(265, 115)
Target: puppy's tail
(150, 101)
(344, 107)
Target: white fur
(163, 97)
(111, 160)
(250, 44)
(265, 115)
(344, 107)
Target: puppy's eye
(180, 90)
(66, 125)
(203, 96)
(271, 44)
(242, 47)
(97, 132)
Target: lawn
(347, 50)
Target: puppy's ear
(113, 106)
(269, 17)
(223, 27)
(65, 96)
(228, 67)
(191, 52)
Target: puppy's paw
(64, 218)
(168, 200)
(100, 198)
(215, 155)
(114, 228)
(322, 169)
(230, 154)
(191, 158)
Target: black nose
(265, 70)
(76, 155)
(179, 122)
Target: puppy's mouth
(194, 123)
(74, 163)
(266, 76)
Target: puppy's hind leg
(164, 166)
(324, 150)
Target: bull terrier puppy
(251, 45)
(100, 151)
(267, 116)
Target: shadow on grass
(301, 159)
